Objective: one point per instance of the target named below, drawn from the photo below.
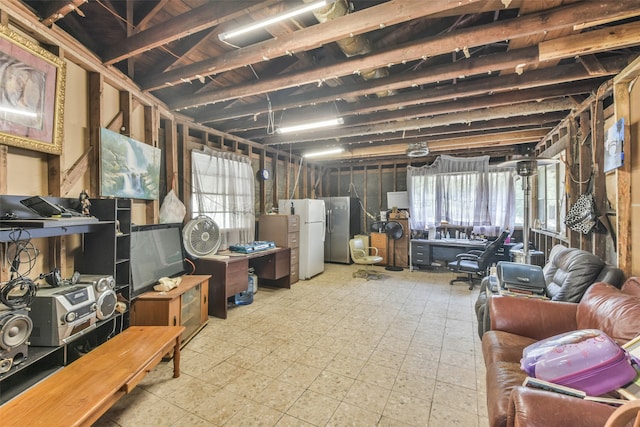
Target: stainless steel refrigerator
(343, 222)
(312, 225)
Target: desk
(425, 252)
(230, 274)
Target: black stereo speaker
(15, 329)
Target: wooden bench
(78, 394)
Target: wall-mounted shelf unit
(103, 251)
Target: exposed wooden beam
(431, 134)
(591, 64)
(144, 22)
(497, 139)
(59, 9)
(474, 66)
(375, 17)
(475, 36)
(431, 106)
(601, 40)
(198, 19)
(442, 120)
(76, 172)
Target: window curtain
(461, 191)
(223, 189)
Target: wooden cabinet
(387, 249)
(284, 230)
(186, 305)
(379, 241)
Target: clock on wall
(264, 174)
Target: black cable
(27, 294)
(25, 253)
(20, 291)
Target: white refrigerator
(312, 230)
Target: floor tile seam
(430, 401)
(312, 391)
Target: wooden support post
(262, 185)
(186, 181)
(585, 166)
(96, 110)
(171, 155)
(151, 125)
(621, 99)
(599, 187)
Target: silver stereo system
(15, 329)
(62, 314)
(104, 287)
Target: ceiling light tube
(313, 125)
(294, 12)
(324, 152)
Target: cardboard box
(399, 215)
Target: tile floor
(331, 351)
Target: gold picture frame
(32, 87)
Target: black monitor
(156, 251)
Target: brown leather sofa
(567, 275)
(517, 322)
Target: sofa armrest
(531, 317)
(538, 408)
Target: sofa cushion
(631, 286)
(502, 377)
(503, 346)
(530, 407)
(611, 310)
(570, 272)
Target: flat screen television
(157, 251)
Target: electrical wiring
(19, 291)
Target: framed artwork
(32, 85)
(128, 168)
(614, 146)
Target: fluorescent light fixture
(313, 125)
(324, 152)
(294, 12)
(17, 111)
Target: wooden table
(78, 394)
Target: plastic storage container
(586, 359)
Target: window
(461, 191)
(519, 196)
(550, 198)
(223, 190)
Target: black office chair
(475, 263)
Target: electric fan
(201, 237)
(394, 231)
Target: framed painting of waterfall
(128, 168)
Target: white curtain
(460, 191)
(223, 189)
(502, 198)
